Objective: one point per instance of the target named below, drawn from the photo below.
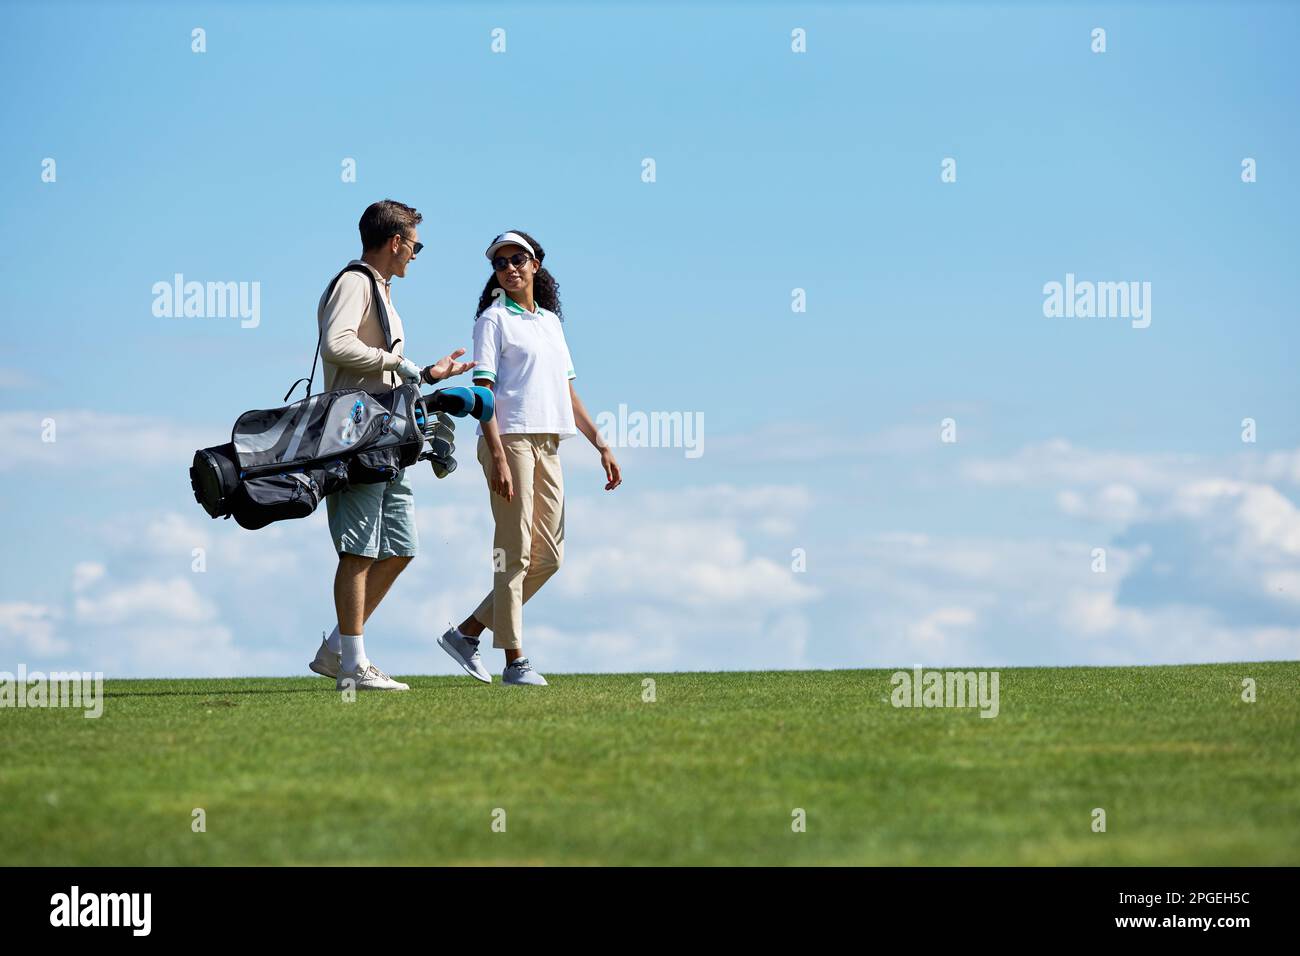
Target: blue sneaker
(464, 652)
(521, 672)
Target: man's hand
(447, 367)
(409, 371)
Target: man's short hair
(383, 220)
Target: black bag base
(214, 477)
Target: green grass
(710, 772)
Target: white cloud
(1198, 569)
(649, 582)
(1201, 565)
(1221, 543)
(174, 599)
(97, 440)
(688, 549)
(1058, 462)
(1111, 503)
(29, 629)
(794, 443)
(1278, 466)
(996, 602)
(1261, 518)
(86, 573)
(171, 533)
(936, 636)
(614, 648)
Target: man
(373, 526)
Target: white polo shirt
(526, 358)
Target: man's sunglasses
(517, 260)
(415, 246)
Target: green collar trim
(518, 309)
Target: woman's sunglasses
(517, 260)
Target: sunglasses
(517, 260)
(415, 246)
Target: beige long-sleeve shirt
(352, 350)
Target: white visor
(509, 239)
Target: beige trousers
(528, 544)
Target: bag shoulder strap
(383, 322)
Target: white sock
(354, 652)
(332, 642)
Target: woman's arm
(500, 482)
(613, 475)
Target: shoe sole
(451, 652)
(322, 671)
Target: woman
(520, 353)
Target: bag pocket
(259, 501)
(373, 466)
(332, 477)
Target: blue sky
(775, 170)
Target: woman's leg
(547, 551)
(547, 529)
(502, 609)
(546, 535)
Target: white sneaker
(521, 672)
(368, 678)
(327, 663)
(465, 653)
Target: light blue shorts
(375, 521)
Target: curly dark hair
(546, 291)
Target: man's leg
(395, 544)
(398, 539)
(380, 578)
(350, 586)
(356, 522)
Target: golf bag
(280, 463)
